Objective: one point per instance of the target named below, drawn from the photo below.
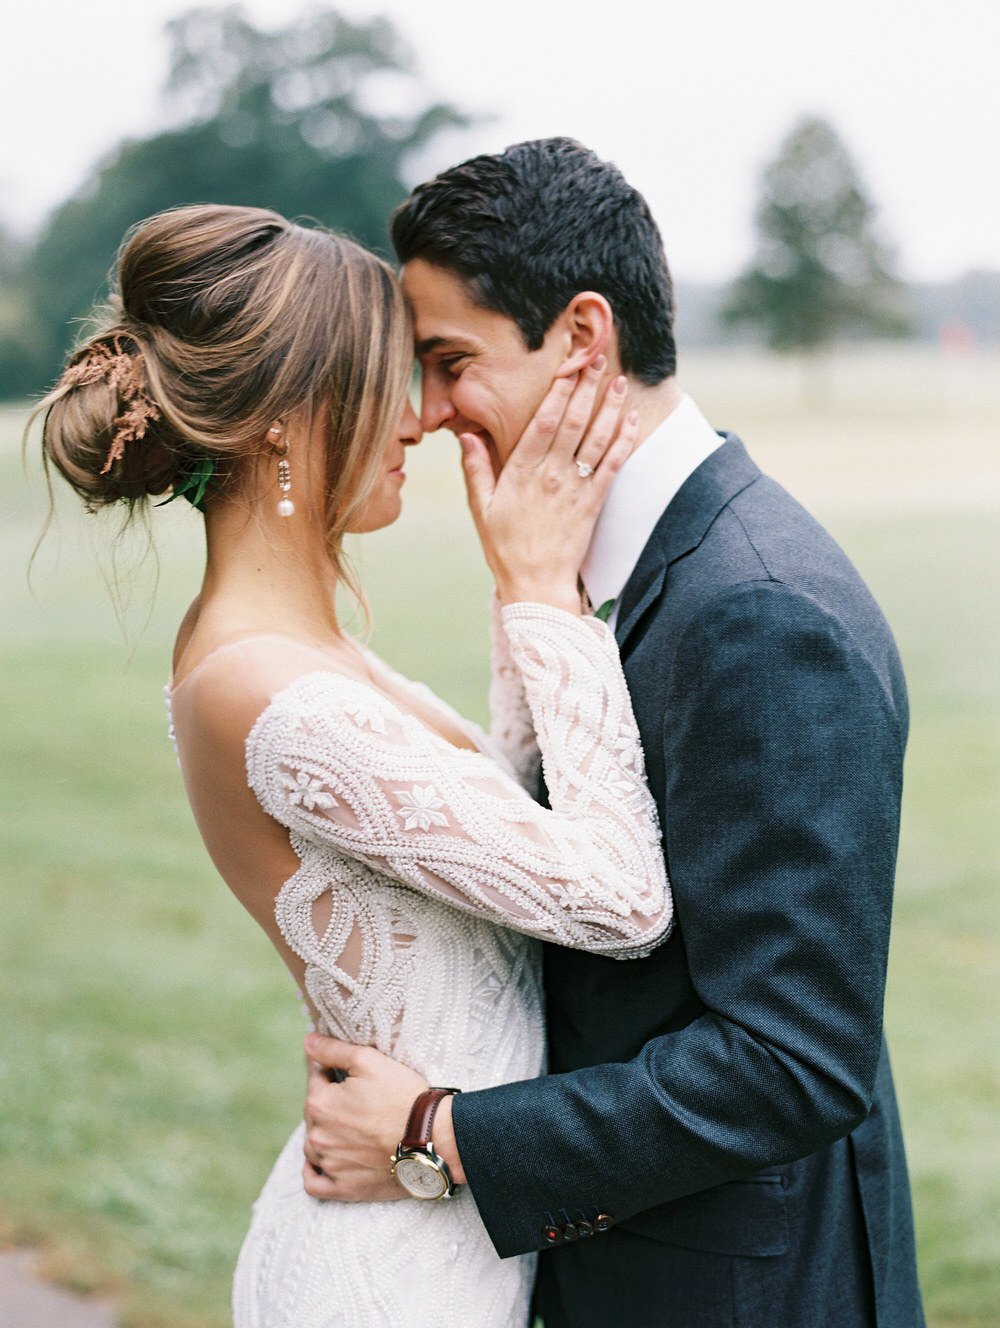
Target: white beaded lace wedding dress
(427, 874)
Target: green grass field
(150, 1063)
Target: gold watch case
(422, 1173)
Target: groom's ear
(587, 326)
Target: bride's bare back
(214, 702)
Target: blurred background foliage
(308, 120)
(821, 269)
(328, 118)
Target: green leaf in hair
(193, 479)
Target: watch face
(420, 1177)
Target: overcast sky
(689, 97)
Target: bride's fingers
(579, 411)
(480, 482)
(537, 439)
(604, 429)
(614, 458)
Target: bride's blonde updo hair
(226, 319)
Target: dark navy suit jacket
(726, 1103)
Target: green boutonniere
(604, 612)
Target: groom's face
(478, 375)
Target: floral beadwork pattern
(420, 808)
(366, 714)
(303, 790)
(386, 791)
(427, 875)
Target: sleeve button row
(570, 1232)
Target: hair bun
(100, 409)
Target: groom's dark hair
(528, 229)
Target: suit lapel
(683, 526)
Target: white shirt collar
(639, 496)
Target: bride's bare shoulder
(184, 634)
(225, 686)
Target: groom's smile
(478, 374)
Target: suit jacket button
(585, 1228)
(553, 1235)
(603, 1222)
(570, 1232)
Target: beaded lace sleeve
(512, 729)
(343, 768)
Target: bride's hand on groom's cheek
(353, 1127)
(536, 518)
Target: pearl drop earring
(285, 505)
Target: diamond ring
(584, 470)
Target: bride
(390, 849)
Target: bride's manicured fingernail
(620, 383)
(632, 418)
(600, 364)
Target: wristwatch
(415, 1164)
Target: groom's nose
(435, 405)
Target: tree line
(285, 119)
(295, 120)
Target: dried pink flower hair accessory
(124, 372)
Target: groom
(717, 1142)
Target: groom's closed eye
(454, 364)
(444, 353)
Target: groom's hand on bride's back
(354, 1125)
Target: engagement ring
(584, 469)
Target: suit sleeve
(783, 753)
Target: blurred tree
(316, 119)
(820, 269)
(20, 327)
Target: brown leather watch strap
(418, 1127)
